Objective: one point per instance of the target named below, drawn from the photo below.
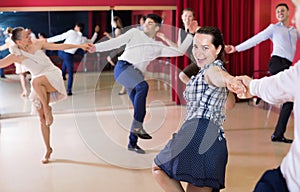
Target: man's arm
(116, 42)
(95, 35)
(63, 46)
(251, 42)
(60, 37)
(167, 40)
(256, 39)
(170, 51)
(275, 89)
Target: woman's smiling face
(203, 49)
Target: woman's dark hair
(16, 33)
(118, 22)
(217, 39)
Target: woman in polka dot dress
(197, 153)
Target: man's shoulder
(133, 30)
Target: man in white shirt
(140, 48)
(280, 88)
(72, 36)
(284, 38)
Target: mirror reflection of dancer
(192, 69)
(73, 36)
(140, 49)
(112, 58)
(47, 85)
(20, 69)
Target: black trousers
(276, 65)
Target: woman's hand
(86, 46)
(246, 82)
(92, 48)
(236, 85)
(107, 35)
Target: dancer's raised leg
(43, 88)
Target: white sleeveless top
(39, 64)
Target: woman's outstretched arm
(62, 46)
(10, 59)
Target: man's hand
(97, 28)
(92, 48)
(161, 36)
(230, 49)
(194, 27)
(246, 82)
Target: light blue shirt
(284, 40)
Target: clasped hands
(240, 85)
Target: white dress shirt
(72, 37)
(141, 49)
(281, 88)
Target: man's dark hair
(189, 9)
(157, 19)
(282, 4)
(81, 26)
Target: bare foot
(49, 116)
(47, 156)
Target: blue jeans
(69, 66)
(137, 89)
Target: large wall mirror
(94, 78)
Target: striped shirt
(205, 100)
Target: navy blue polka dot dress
(197, 153)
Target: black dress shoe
(281, 139)
(257, 101)
(141, 133)
(136, 149)
(69, 93)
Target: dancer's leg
(23, 84)
(192, 188)
(46, 135)
(42, 87)
(166, 183)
